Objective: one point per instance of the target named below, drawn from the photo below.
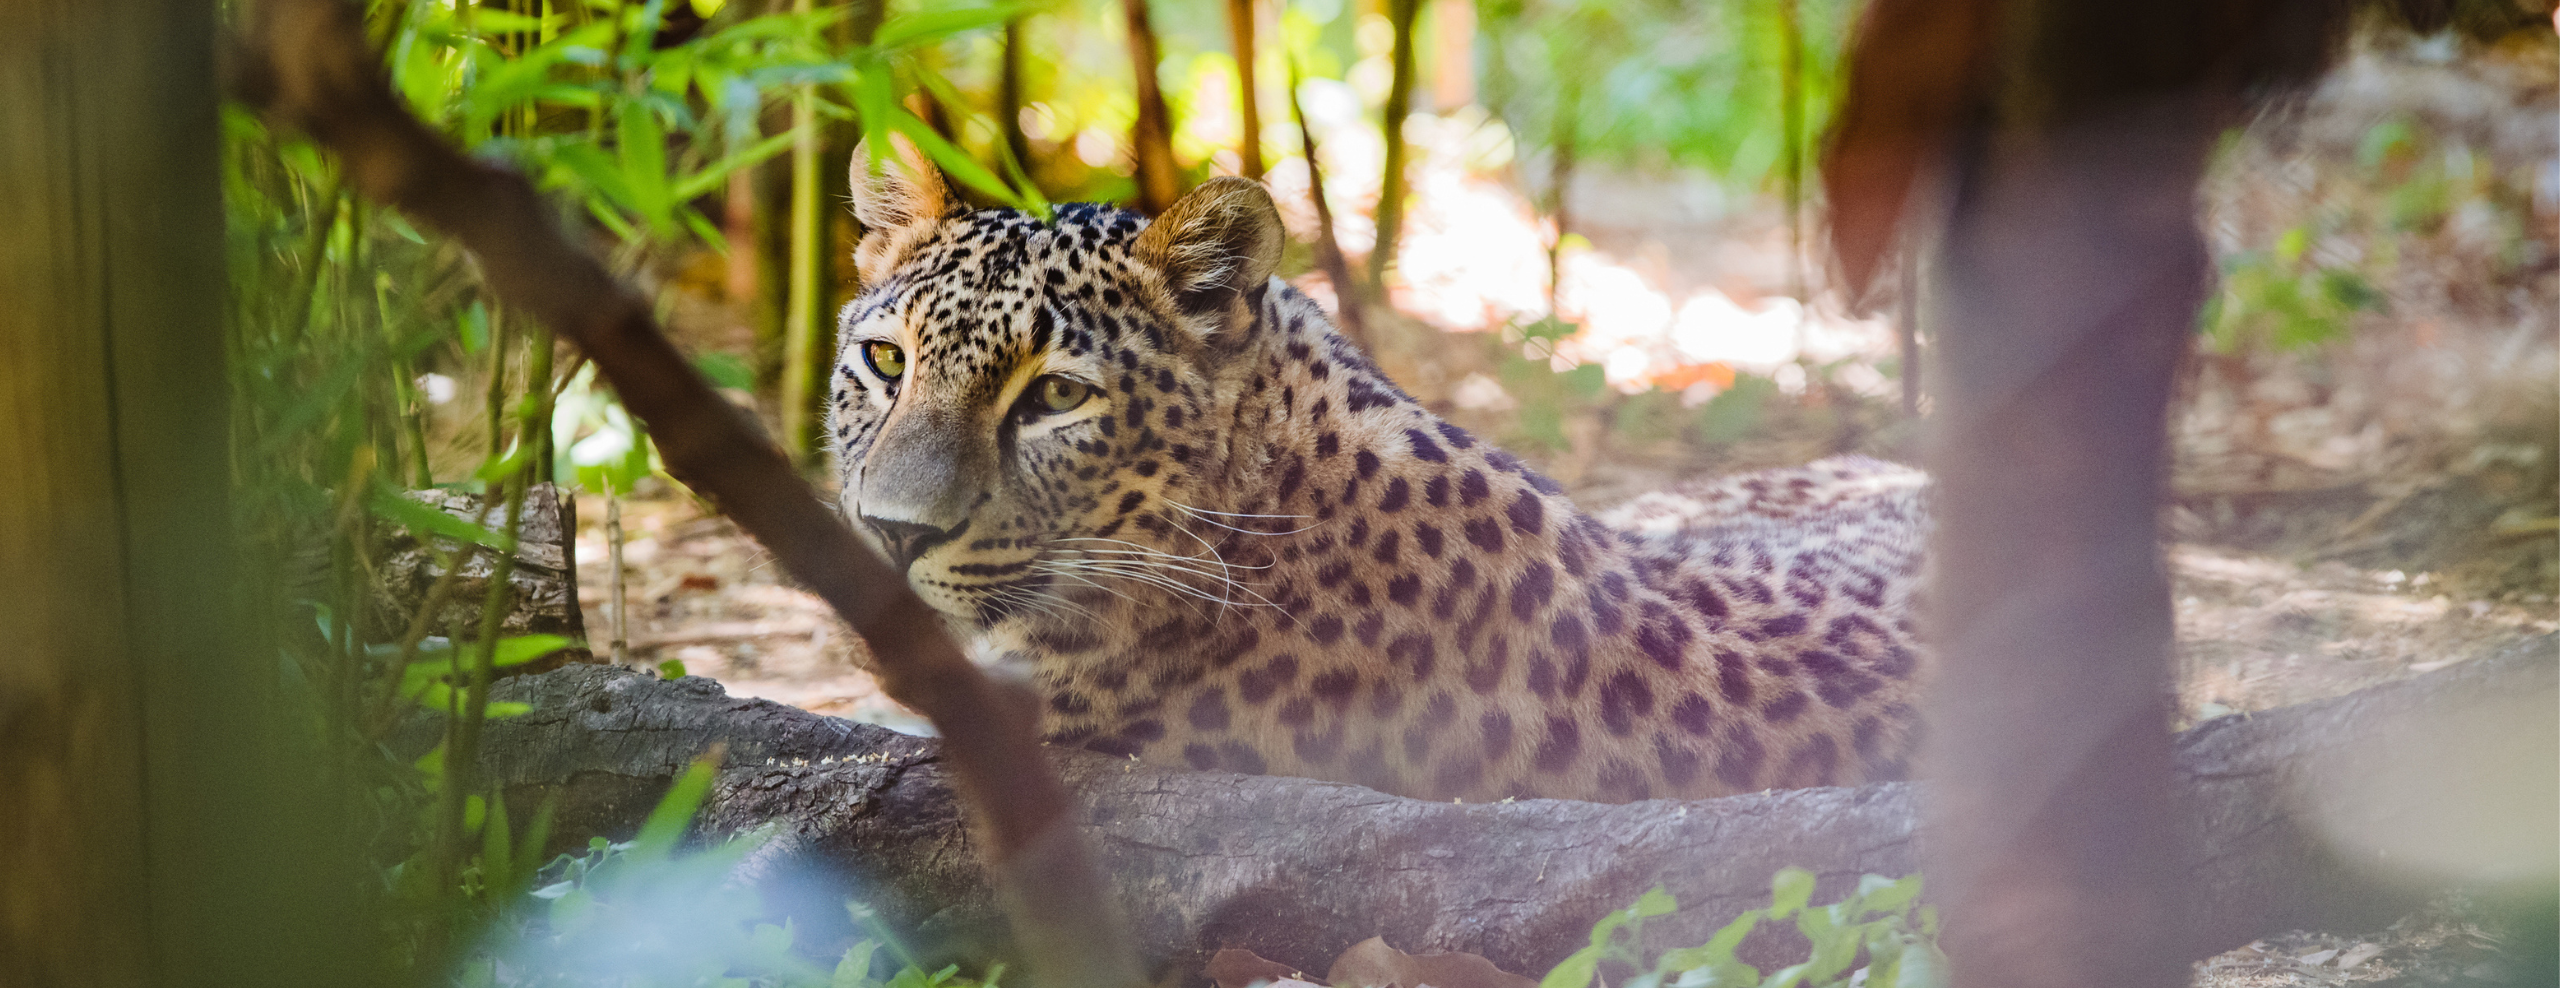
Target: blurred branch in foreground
(307, 62)
(2068, 270)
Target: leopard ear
(1217, 243)
(900, 198)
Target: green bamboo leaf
(520, 649)
(392, 506)
(934, 25)
(642, 143)
(702, 182)
(954, 162)
(667, 822)
(497, 848)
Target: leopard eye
(885, 359)
(1052, 394)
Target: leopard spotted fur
(1214, 535)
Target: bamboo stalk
(1009, 96)
(1240, 25)
(1347, 295)
(804, 306)
(618, 606)
(1791, 121)
(1151, 137)
(1391, 184)
(1566, 137)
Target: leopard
(1156, 482)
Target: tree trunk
(1151, 138)
(1298, 870)
(162, 825)
(1391, 183)
(1240, 16)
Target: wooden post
(161, 824)
(2068, 274)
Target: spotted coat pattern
(1247, 550)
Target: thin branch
(1391, 183)
(310, 66)
(1347, 294)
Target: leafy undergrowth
(1880, 935)
(637, 914)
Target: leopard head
(1024, 412)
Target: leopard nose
(906, 540)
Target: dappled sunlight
(1475, 258)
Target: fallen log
(2282, 804)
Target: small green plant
(2285, 297)
(643, 914)
(1878, 936)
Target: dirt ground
(2371, 509)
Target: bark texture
(1297, 870)
(544, 579)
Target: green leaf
(1885, 895)
(726, 370)
(954, 161)
(1921, 966)
(1576, 971)
(642, 143)
(1586, 381)
(668, 821)
(671, 669)
(702, 182)
(854, 970)
(520, 649)
(497, 848)
(1718, 950)
(933, 25)
(570, 912)
(1789, 891)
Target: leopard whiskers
(1211, 517)
(1046, 603)
(1171, 573)
(1146, 557)
(1135, 572)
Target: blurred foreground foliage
(351, 335)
